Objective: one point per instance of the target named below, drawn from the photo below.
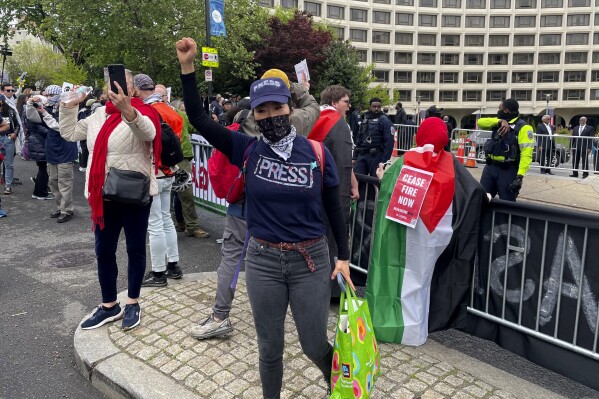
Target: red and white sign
(408, 195)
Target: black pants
(578, 155)
(84, 154)
(40, 189)
(546, 154)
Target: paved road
(49, 283)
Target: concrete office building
(466, 55)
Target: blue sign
(217, 18)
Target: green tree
(342, 67)
(381, 92)
(38, 60)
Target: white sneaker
(211, 328)
(81, 169)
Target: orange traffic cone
(471, 161)
(461, 152)
(395, 152)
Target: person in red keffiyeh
(126, 135)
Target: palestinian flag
(429, 266)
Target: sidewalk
(159, 359)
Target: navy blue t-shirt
(284, 198)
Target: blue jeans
(134, 220)
(276, 279)
(8, 150)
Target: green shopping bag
(356, 356)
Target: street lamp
(418, 111)
(6, 52)
(547, 97)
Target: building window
(577, 38)
(450, 40)
(575, 76)
(526, 4)
(576, 58)
(596, 19)
(595, 58)
(453, 21)
(382, 1)
(404, 38)
(404, 95)
(474, 40)
(450, 59)
(499, 40)
(496, 95)
(578, 19)
(548, 77)
(497, 59)
(363, 55)
(404, 19)
(550, 40)
(496, 77)
(335, 12)
(267, 3)
(522, 59)
(448, 95)
(595, 38)
(358, 35)
(522, 95)
(528, 21)
(595, 76)
(425, 77)
(381, 37)
(426, 59)
(289, 4)
(380, 57)
(475, 22)
(521, 77)
(551, 21)
(594, 94)
(471, 95)
(403, 58)
(312, 8)
(426, 95)
(452, 3)
(500, 4)
(552, 3)
(577, 94)
(549, 58)
(579, 3)
(339, 33)
(381, 76)
(499, 22)
(542, 95)
(381, 17)
(473, 59)
(409, 3)
(358, 15)
(524, 40)
(427, 20)
(473, 77)
(428, 3)
(477, 4)
(427, 39)
(402, 76)
(448, 77)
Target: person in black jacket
(580, 145)
(36, 144)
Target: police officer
(508, 151)
(374, 142)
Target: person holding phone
(121, 135)
(287, 261)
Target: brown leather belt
(294, 246)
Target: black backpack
(171, 153)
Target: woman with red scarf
(121, 135)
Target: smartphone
(387, 164)
(116, 73)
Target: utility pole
(6, 52)
(207, 2)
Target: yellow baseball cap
(277, 73)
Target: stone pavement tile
(227, 367)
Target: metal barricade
(404, 137)
(556, 152)
(532, 274)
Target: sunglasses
(10, 90)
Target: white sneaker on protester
(211, 328)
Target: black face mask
(274, 128)
(506, 116)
